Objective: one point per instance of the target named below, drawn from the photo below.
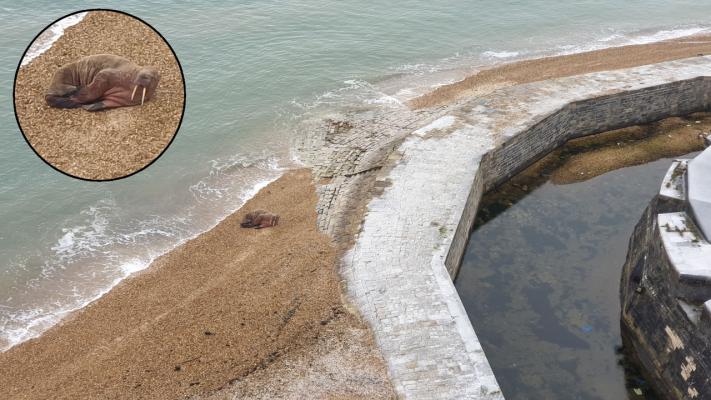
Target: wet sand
(106, 144)
(254, 313)
(540, 69)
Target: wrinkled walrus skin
(100, 82)
(259, 219)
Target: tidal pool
(540, 281)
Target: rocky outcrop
(665, 293)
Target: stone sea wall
(399, 190)
(665, 291)
(574, 120)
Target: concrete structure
(665, 289)
(426, 172)
(699, 177)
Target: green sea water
(254, 70)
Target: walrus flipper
(98, 106)
(63, 90)
(61, 102)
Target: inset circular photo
(99, 95)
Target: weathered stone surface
(426, 172)
(689, 256)
(665, 292)
(673, 186)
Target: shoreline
(57, 30)
(57, 316)
(233, 301)
(485, 86)
(563, 65)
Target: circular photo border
(177, 128)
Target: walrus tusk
(143, 96)
(134, 92)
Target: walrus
(259, 219)
(100, 82)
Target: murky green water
(540, 280)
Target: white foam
(385, 99)
(500, 54)
(220, 183)
(610, 38)
(38, 320)
(84, 238)
(622, 39)
(419, 68)
(45, 40)
(353, 92)
(134, 265)
(668, 35)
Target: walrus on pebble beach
(259, 219)
(101, 81)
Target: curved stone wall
(419, 176)
(519, 149)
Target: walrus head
(147, 78)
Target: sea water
(253, 71)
